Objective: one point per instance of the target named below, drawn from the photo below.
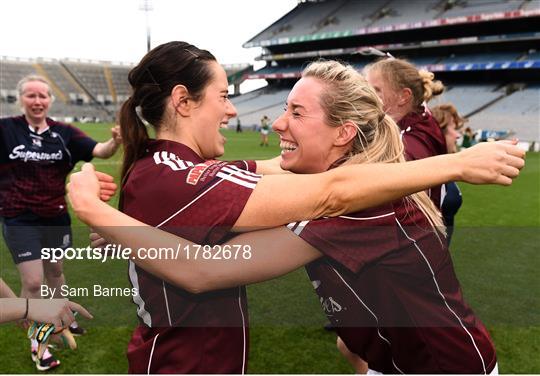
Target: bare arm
(356, 187)
(270, 166)
(55, 311)
(259, 255)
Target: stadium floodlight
(146, 6)
(375, 52)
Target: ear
(405, 96)
(180, 100)
(345, 134)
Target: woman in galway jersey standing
(36, 155)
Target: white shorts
(265, 132)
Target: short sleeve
(80, 145)
(353, 241)
(205, 199)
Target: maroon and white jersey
(389, 288)
(422, 137)
(174, 189)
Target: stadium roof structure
(331, 19)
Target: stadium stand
(84, 90)
(485, 51)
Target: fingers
(514, 161)
(88, 167)
(514, 150)
(510, 172)
(78, 308)
(103, 177)
(99, 243)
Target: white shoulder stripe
(236, 180)
(244, 171)
(300, 227)
(291, 225)
(171, 160)
(241, 173)
(367, 218)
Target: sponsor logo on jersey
(330, 306)
(197, 171)
(18, 152)
(36, 140)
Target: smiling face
(212, 113)
(35, 100)
(306, 141)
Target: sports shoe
(77, 331)
(47, 362)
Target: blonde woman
(405, 91)
(36, 155)
(400, 302)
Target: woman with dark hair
(182, 92)
(333, 121)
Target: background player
(405, 91)
(36, 155)
(451, 123)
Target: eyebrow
(295, 105)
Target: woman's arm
(270, 166)
(258, 255)
(108, 148)
(54, 311)
(356, 187)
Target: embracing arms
(356, 187)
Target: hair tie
(138, 111)
(381, 116)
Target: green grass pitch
(495, 252)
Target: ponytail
(402, 74)
(134, 136)
(431, 88)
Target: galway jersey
(172, 188)
(388, 287)
(34, 166)
(422, 137)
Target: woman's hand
(116, 134)
(107, 187)
(491, 162)
(83, 190)
(58, 312)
